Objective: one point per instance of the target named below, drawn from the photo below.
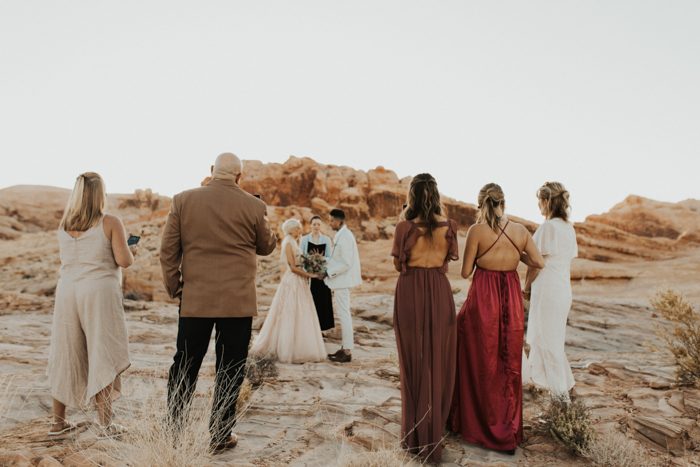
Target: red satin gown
(487, 403)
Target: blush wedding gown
(291, 332)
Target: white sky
(601, 95)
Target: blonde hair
(491, 197)
(86, 204)
(289, 225)
(556, 198)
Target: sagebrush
(613, 449)
(260, 369)
(683, 338)
(569, 421)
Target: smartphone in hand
(133, 240)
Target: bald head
(227, 166)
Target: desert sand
(330, 414)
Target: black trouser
(232, 339)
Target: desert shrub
(570, 423)
(616, 450)
(683, 339)
(259, 369)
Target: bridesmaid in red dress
(424, 318)
(487, 404)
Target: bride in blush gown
(291, 332)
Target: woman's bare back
(499, 251)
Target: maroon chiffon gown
(424, 323)
(487, 405)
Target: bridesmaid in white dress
(291, 332)
(550, 295)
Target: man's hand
(206, 181)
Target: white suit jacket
(343, 267)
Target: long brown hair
(86, 204)
(424, 201)
(556, 198)
(491, 197)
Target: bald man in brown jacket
(208, 257)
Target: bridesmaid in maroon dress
(424, 318)
(487, 405)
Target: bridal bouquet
(313, 263)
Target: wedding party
(459, 371)
(349, 234)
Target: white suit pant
(341, 299)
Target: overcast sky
(603, 96)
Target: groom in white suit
(343, 273)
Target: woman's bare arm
(534, 258)
(291, 261)
(470, 250)
(117, 233)
(530, 277)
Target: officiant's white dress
(550, 302)
(291, 332)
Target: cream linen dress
(89, 342)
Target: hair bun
(556, 199)
(495, 195)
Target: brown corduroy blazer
(209, 247)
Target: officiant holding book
(316, 242)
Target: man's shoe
(338, 352)
(230, 443)
(340, 357)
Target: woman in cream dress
(291, 332)
(550, 295)
(89, 343)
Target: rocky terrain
(329, 414)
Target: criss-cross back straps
(503, 232)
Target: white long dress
(291, 332)
(550, 303)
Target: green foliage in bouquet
(313, 263)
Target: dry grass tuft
(244, 395)
(6, 396)
(259, 369)
(154, 440)
(8, 392)
(570, 423)
(616, 450)
(684, 339)
(386, 453)
(380, 457)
